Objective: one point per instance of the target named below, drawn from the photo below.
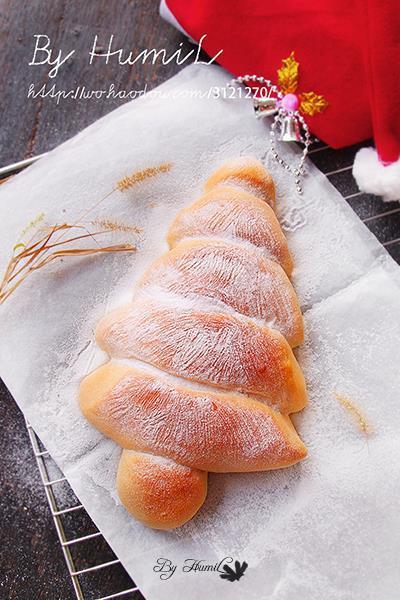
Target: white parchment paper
(327, 528)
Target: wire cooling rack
(76, 532)
(381, 218)
(79, 538)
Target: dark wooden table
(32, 565)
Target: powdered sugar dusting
(232, 277)
(213, 348)
(230, 214)
(205, 311)
(209, 431)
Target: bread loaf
(202, 375)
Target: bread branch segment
(246, 173)
(216, 317)
(207, 347)
(202, 429)
(232, 277)
(232, 214)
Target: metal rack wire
(52, 478)
(381, 218)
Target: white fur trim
(374, 177)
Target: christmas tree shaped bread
(202, 375)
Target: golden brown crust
(239, 278)
(159, 492)
(233, 215)
(216, 310)
(211, 348)
(248, 173)
(211, 431)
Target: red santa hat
(344, 59)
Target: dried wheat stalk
(27, 259)
(351, 408)
(36, 253)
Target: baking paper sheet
(326, 528)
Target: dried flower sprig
(28, 257)
(31, 257)
(130, 180)
(32, 224)
(362, 423)
(111, 225)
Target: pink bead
(290, 102)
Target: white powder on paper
(326, 528)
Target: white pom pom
(374, 177)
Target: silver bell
(290, 130)
(264, 107)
